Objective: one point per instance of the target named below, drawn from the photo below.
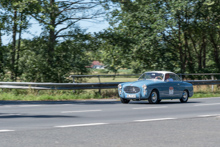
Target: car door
(179, 87)
(172, 87)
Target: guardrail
(58, 86)
(204, 82)
(78, 86)
(201, 74)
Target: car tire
(184, 97)
(125, 101)
(154, 97)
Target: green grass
(49, 95)
(55, 95)
(205, 94)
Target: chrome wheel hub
(185, 95)
(154, 97)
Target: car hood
(142, 82)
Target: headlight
(119, 86)
(144, 86)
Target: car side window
(168, 77)
(172, 77)
(142, 77)
(177, 78)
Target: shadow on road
(163, 102)
(84, 102)
(9, 115)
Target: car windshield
(151, 75)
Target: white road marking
(30, 105)
(5, 106)
(208, 98)
(149, 107)
(81, 125)
(156, 119)
(211, 115)
(211, 104)
(80, 111)
(9, 114)
(6, 131)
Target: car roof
(163, 72)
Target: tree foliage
(69, 56)
(181, 36)
(62, 46)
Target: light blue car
(155, 86)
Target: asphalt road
(110, 123)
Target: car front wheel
(125, 101)
(185, 97)
(154, 97)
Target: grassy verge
(47, 95)
(33, 95)
(206, 94)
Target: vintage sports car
(155, 86)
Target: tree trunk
(19, 46)
(52, 32)
(216, 51)
(13, 46)
(1, 54)
(204, 51)
(180, 49)
(200, 59)
(190, 62)
(0, 37)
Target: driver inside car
(167, 78)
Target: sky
(35, 29)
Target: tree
(1, 47)
(58, 16)
(111, 49)
(15, 21)
(141, 22)
(69, 58)
(181, 36)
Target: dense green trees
(69, 56)
(59, 50)
(180, 36)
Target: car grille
(131, 89)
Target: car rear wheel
(125, 101)
(154, 97)
(185, 97)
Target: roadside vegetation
(179, 36)
(61, 95)
(22, 95)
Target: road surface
(110, 123)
